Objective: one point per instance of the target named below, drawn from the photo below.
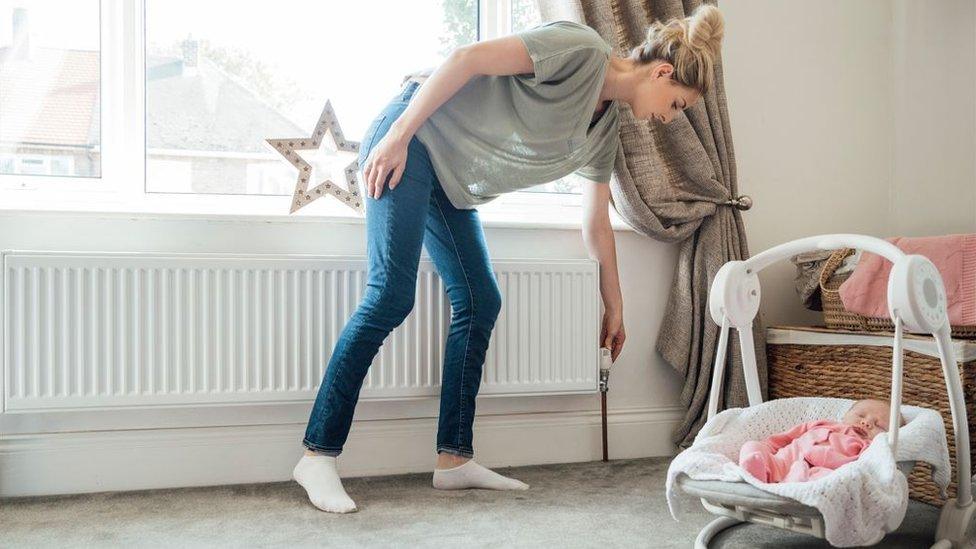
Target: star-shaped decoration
(289, 147)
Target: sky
(74, 25)
(353, 53)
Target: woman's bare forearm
(601, 245)
(441, 85)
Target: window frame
(123, 183)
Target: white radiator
(107, 330)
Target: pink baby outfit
(805, 452)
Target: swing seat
(917, 302)
(742, 494)
(701, 472)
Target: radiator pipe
(603, 407)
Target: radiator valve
(605, 363)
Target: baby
(813, 449)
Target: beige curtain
(676, 183)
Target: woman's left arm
(600, 243)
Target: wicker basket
(836, 316)
(804, 362)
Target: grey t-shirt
(499, 134)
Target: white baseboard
(80, 462)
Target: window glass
(49, 88)
(222, 76)
(525, 15)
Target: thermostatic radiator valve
(605, 363)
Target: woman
(496, 116)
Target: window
(216, 91)
(525, 15)
(49, 88)
(169, 102)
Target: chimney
(191, 53)
(21, 34)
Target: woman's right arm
(499, 56)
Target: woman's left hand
(388, 159)
(612, 334)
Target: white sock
(474, 475)
(318, 475)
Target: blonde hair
(690, 44)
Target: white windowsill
(530, 212)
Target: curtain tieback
(741, 202)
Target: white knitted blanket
(859, 501)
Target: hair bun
(706, 28)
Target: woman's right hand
(612, 335)
(388, 156)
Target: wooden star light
(289, 147)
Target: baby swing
(916, 300)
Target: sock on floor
(474, 475)
(318, 475)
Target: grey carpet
(616, 504)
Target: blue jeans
(415, 212)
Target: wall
(850, 117)
(810, 112)
(933, 190)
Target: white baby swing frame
(916, 301)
